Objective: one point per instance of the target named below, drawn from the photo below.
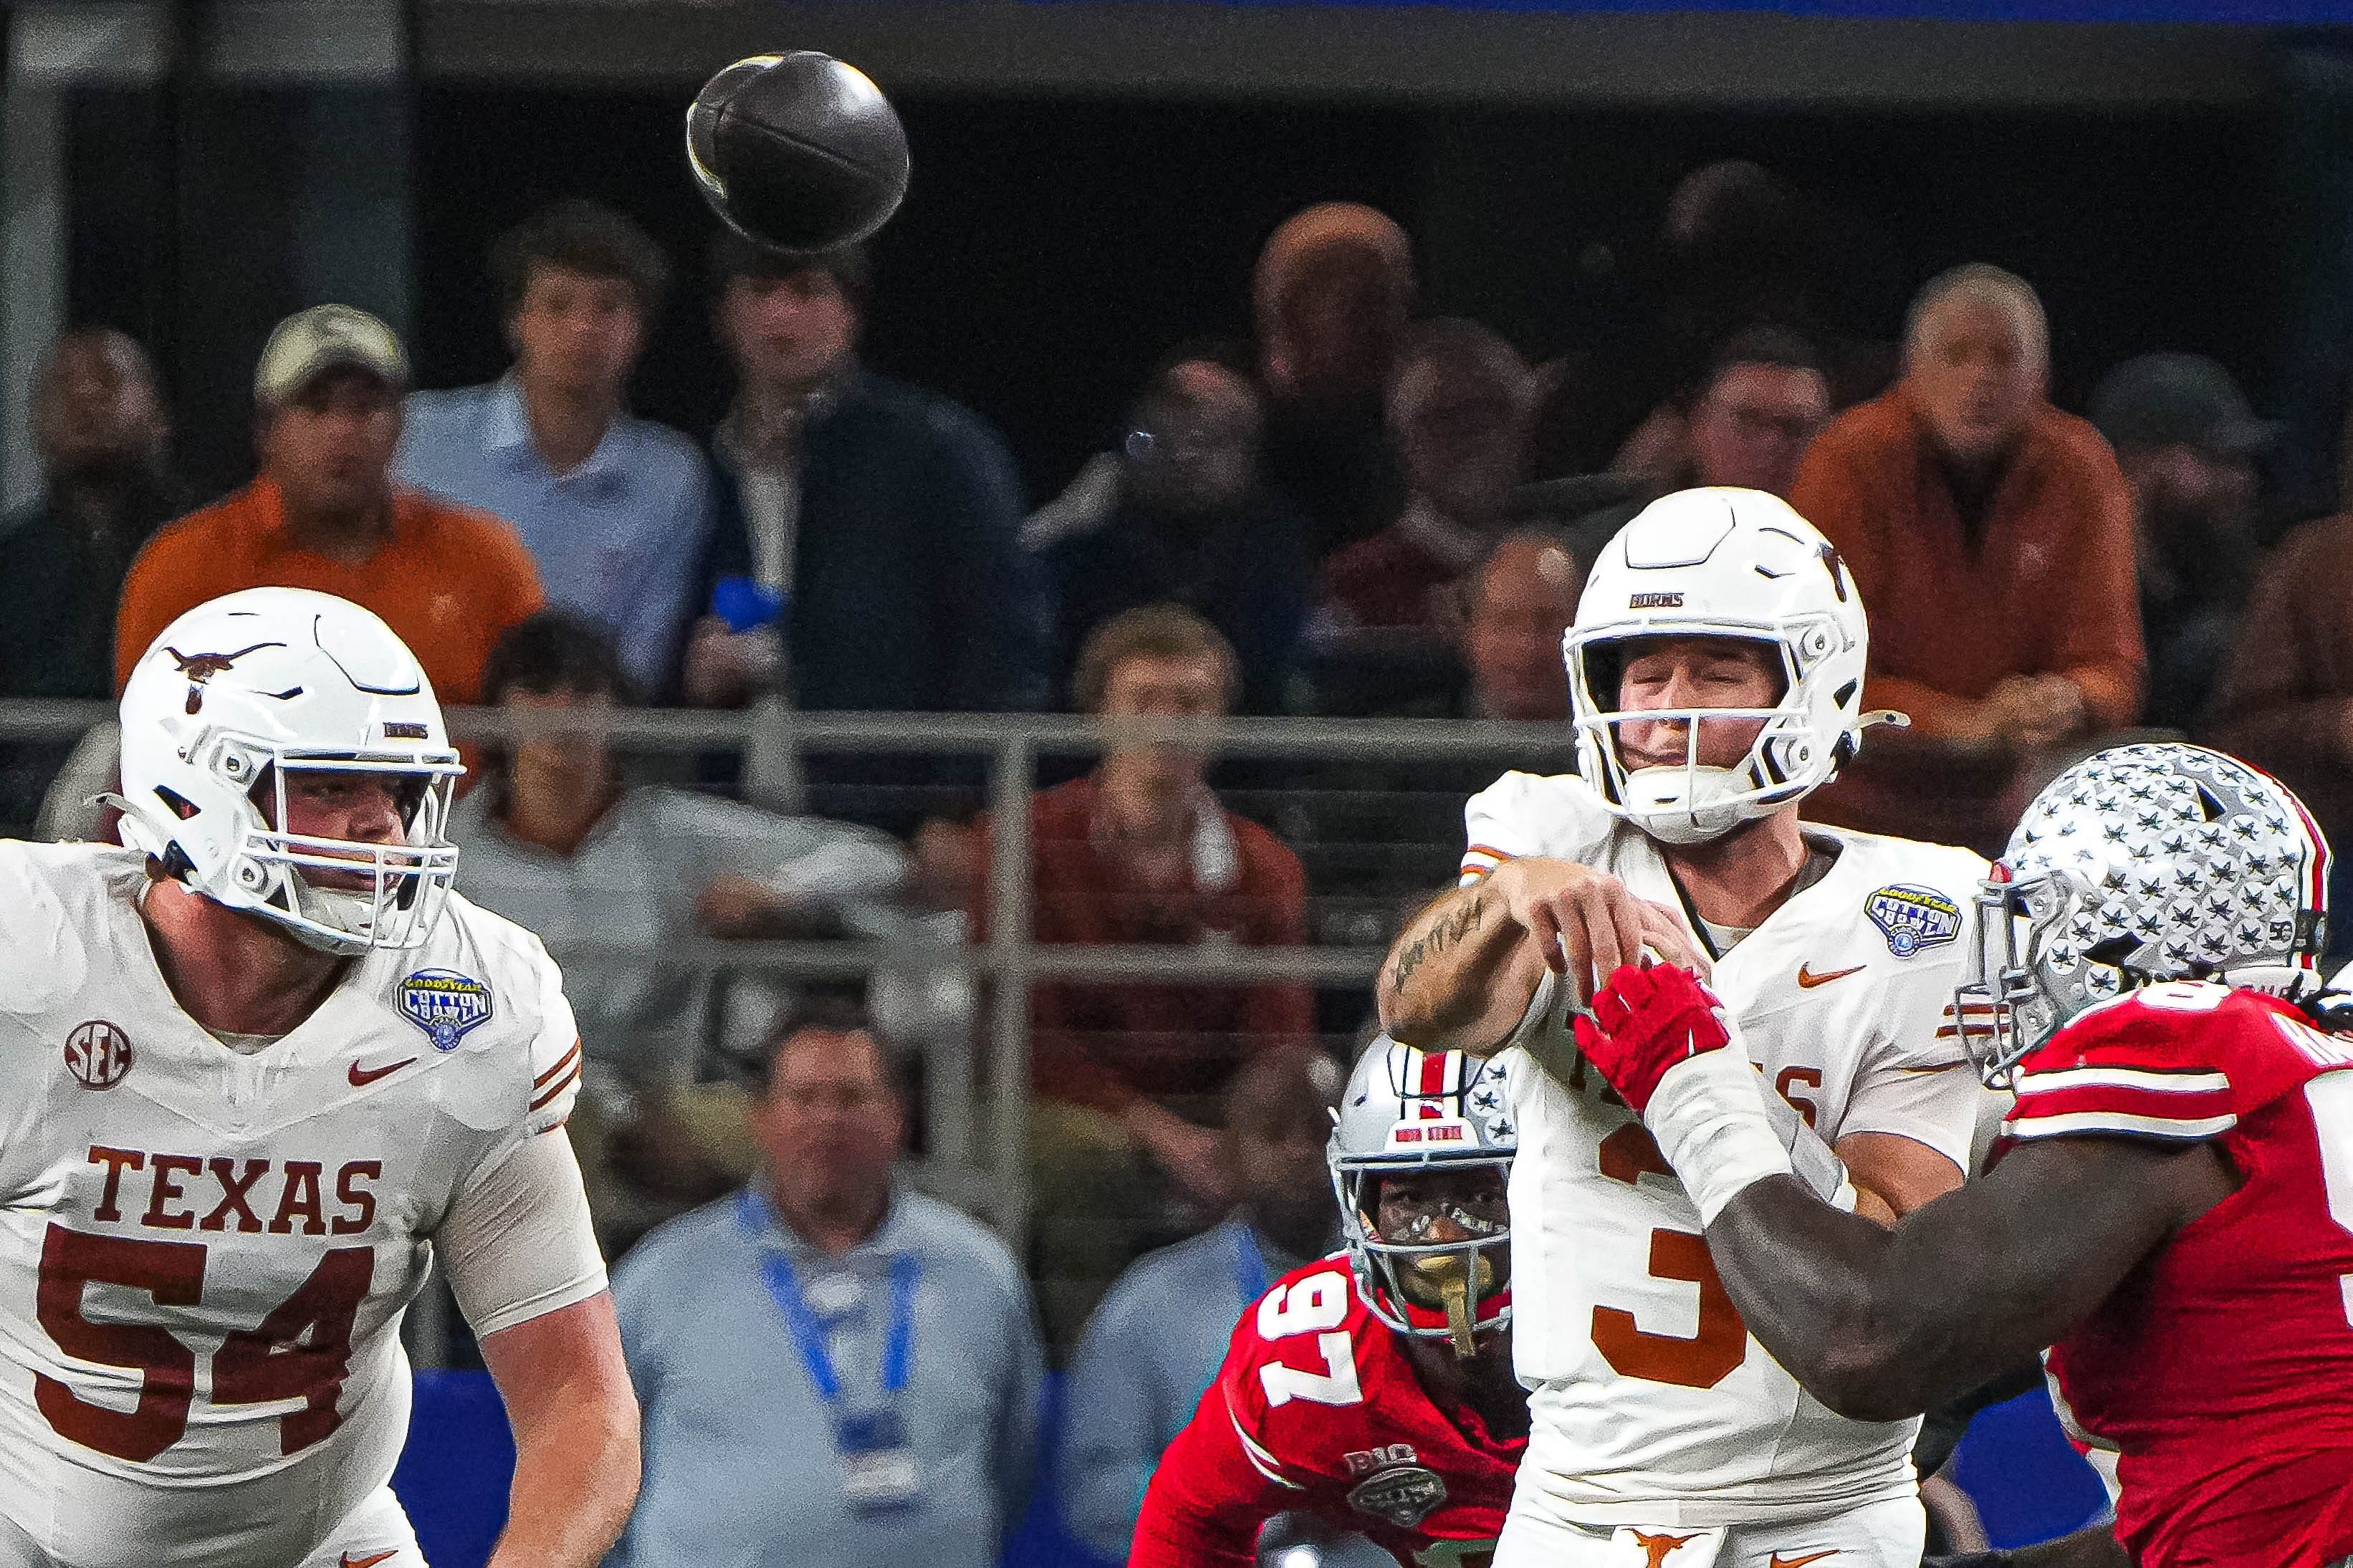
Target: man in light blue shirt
(834, 1370)
(615, 509)
(1154, 1343)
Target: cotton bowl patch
(445, 1004)
(1913, 917)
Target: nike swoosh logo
(361, 1078)
(1807, 980)
(373, 1558)
(1777, 1561)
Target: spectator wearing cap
(325, 514)
(100, 432)
(613, 508)
(1126, 1077)
(2189, 445)
(1457, 412)
(1178, 514)
(1330, 296)
(1992, 538)
(1155, 1344)
(614, 879)
(833, 1369)
(877, 522)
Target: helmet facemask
(1446, 1289)
(343, 895)
(2019, 982)
(1693, 802)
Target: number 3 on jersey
(1721, 1341)
(1315, 1305)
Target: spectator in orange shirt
(1991, 537)
(1126, 1078)
(324, 514)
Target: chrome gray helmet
(1411, 1110)
(2141, 863)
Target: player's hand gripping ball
(797, 151)
(1644, 1021)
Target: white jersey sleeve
(518, 1242)
(555, 1052)
(1530, 814)
(1913, 1079)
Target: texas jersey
(1652, 1405)
(1317, 1409)
(2221, 1371)
(205, 1255)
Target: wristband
(1709, 1120)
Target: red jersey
(2221, 1369)
(1317, 1410)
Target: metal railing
(989, 1167)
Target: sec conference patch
(445, 1004)
(1913, 917)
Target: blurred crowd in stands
(1355, 512)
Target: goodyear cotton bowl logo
(1913, 917)
(445, 1004)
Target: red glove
(1644, 1021)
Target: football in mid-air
(797, 151)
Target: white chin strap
(1683, 803)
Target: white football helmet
(2141, 863)
(1407, 1109)
(1720, 564)
(242, 692)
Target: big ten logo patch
(1365, 1461)
(446, 1005)
(98, 1054)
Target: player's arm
(1880, 1324)
(1463, 971)
(1901, 1173)
(1207, 1500)
(575, 1428)
(522, 1262)
(2093, 1548)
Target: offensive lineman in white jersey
(263, 1066)
(1715, 673)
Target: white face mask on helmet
(1736, 564)
(255, 690)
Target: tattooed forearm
(1446, 932)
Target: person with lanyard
(1154, 1344)
(833, 1369)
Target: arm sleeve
(2272, 704)
(2129, 1069)
(2101, 648)
(1016, 1459)
(1110, 1440)
(517, 1242)
(1206, 1501)
(656, 612)
(997, 596)
(1502, 822)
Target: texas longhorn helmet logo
(200, 667)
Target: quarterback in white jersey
(1716, 669)
(264, 1064)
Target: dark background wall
(1050, 249)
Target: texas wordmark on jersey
(1652, 1403)
(203, 1255)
